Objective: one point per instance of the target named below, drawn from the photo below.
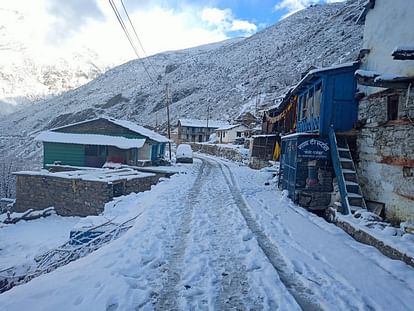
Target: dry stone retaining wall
(219, 151)
(73, 197)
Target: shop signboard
(312, 148)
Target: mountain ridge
(226, 77)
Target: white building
(229, 133)
(386, 107)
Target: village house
(247, 119)
(193, 130)
(75, 183)
(386, 107)
(323, 145)
(229, 133)
(92, 143)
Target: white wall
(388, 25)
(231, 134)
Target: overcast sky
(55, 27)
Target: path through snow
(217, 238)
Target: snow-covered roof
(314, 72)
(405, 52)
(128, 125)
(90, 139)
(140, 130)
(101, 175)
(333, 67)
(202, 123)
(264, 135)
(229, 127)
(372, 78)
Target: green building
(94, 142)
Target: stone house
(94, 142)
(228, 134)
(247, 119)
(386, 107)
(193, 130)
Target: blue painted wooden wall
(338, 105)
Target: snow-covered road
(217, 238)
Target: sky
(53, 28)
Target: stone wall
(386, 154)
(73, 197)
(218, 151)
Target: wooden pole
(167, 91)
(208, 116)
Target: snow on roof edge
(126, 124)
(202, 123)
(90, 139)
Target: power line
(139, 41)
(124, 28)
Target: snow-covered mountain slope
(26, 76)
(226, 76)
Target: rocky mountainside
(24, 78)
(228, 77)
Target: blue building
(326, 97)
(322, 146)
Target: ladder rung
(343, 149)
(351, 183)
(354, 195)
(348, 171)
(345, 159)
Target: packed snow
(220, 236)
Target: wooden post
(167, 91)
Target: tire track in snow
(168, 299)
(303, 295)
(231, 281)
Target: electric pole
(208, 116)
(167, 95)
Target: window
(238, 134)
(317, 100)
(392, 107)
(309, 105)
(304, 107)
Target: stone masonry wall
(219, 151)
(386, 154)
(72, 197)
(69, 197)
(141, 184)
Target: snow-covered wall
(387, 26)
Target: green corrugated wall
(67, 154)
